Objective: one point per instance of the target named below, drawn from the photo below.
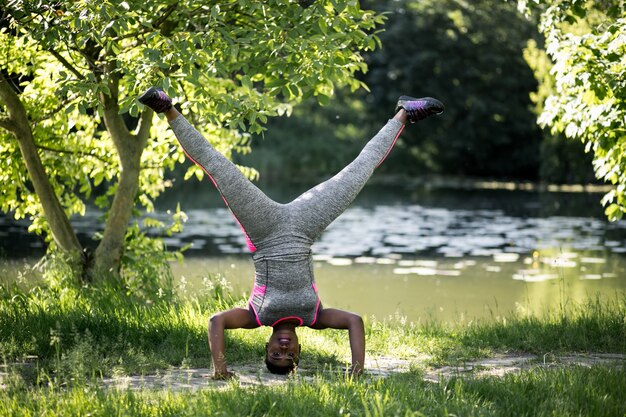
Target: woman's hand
(223, 376)
(236, 318)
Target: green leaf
(321, 23)
(246, 82)
(614, 212)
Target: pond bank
(469, 183)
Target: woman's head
(282, 351)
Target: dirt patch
(501, 365)
(377, 367)
(246, 375)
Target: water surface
(443, 289)
(445, 254)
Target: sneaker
(156, 99)
(419, 108)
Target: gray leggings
(275, 229)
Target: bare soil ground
(377, 367)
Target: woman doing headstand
(280, 237)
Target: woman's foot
(419, 108)
(156, 99)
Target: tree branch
(166, 13)
(111, 111)
(64, 151)
(5, 123)
(17, 114)
(66, 64)
(143, 131)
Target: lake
(419, 253)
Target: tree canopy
(71, 72)
(469, 55)
(586, 41)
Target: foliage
(78, 67)
(469, 55)
(146, 260)
(67, 139)
(587, 42)
(313, 143)
(480, 61)
(561, 161)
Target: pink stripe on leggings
(393, 143)
(251, 245)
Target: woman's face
(283, 348)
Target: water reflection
(443, 254)
(422, 289)
(391, 221)
(413, 230)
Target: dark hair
(280, 370)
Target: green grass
(100, 331)
(72, 336)
(557, 392)
(596, 325)
(107, 331)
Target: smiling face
(282, 350)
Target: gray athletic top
(284, 289)
(280, 236)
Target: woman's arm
(340, 319)
(236, 318)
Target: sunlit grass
(72, 337)
(595, 325)
(572, 391)
(101, 332)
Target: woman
(280, 236)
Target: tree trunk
(17, 123)
(129, 148)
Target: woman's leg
(254, 211)
(314, 210)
